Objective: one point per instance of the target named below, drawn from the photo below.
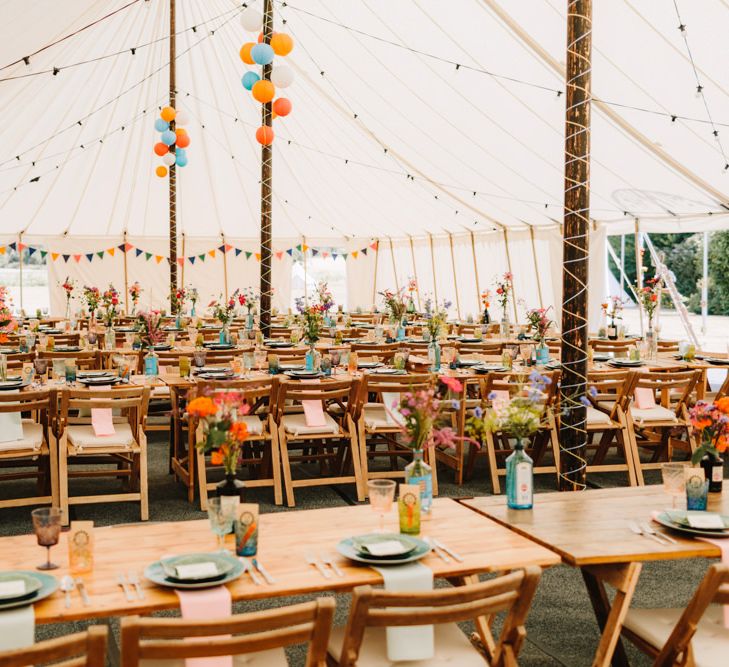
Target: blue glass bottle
(310, 358)
(419, 472)
(519, 479)
(151, 364)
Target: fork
(633, 525)
(328, 560)
(438, 551)
(133, 577)
(652, 531)
(312, 560)
(122, 581)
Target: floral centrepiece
(150, 328)
(394, 304)
(220, 415)
(68, 286)
(92, 297)
(7, 322)
(312, 319)
(612, 309)
(135, 291)
(110, 300)
(504, 288)
(178, 303)
(224, 311)
(711, 422)
(437, 319)
(194, 296)
(538, 323)
(649, 297)
(324, 295)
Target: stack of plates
(67, 348)
(195, 570)
(291, 367)
(97, 378)
(625, 363)
(601, 357)
(387, 371)
(718, 362)
(278, 344)
(212, 373)
(679, 520)
(13, 382)
(463, 339)
(218, 346)
(303, 374)
(21, 588)
(468, 363)
(162, 347)
(370, 364)
(8, 350)
(383, 548)
(490, 368)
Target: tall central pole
(576, 230)
(173, 168)
(266, 190)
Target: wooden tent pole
(475, 273)
(575, 258)
(536, 267)
(172, 168)
(374, 281)
(639, 268)
(20, 269)
(508, 268)
(306, 277)
(225, 268)
(415, 271)
(432, 264)
(394, 267)
(126, 278)
(455, 279)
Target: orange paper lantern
(282, 44)
(245, 53)
(274, 115)
(168, 114)
(179, 131)
(160, 148)
(161, 171)
(264, 135)
(282, 106)
(263, 91)
(183, 140)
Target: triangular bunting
(223, 248)
(31, 250)
(211, 253)
(147, 256)
(77, 258)
(202, 257)
(122, 247)
(228, 248)
(364, 251)
(100, 254)
(192, 259)
(258, 257)
(373, 245)
(334, 255)
(325, 255)
(2, 249)
(21, 247)
(11, 246)
(238, 251)
(180, 260)
(298, 247)
(42, 252)
(354, 254)
(66, 258)
(290, 252)
(344, 254)
(128, 247)
(158, 258)
(54, 256)
(138, 252)
(304, 247)
(248, 254)
(90, 256)
(111, 251)
(314, 252)
(279, 254)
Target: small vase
(542, 354)
(230, 486)
(434, 355)
(612, 331)
(519, 479)
(224, 336)
(110, 338)
(401, 330)
(505, 326)
(651, 342)
(151, 363)
(249, 321)
(713, 466)
(411, 306)
(192, 310)
(178, 321)
(310, 358)
(420, 473)
(486, 317)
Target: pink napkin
(644, 398)
(102, 419)
(314, 413)
(205, 604)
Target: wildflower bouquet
(135, 290)
(649, 297)
(313, 320)
(538, 323)
(326, 300)
(224, 311)
(7, 322)
(92, 296)
(250, 298)
(437, 319)
(177, 304)
(486, 303)
(110, 300)
(394, 304)
(224, 432)
(711, 422)
(504, 288)
(612, 309)
(150, 328)
(193, 295)
(68, 286)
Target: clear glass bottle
(434, 355)
(420, 473)
(110, 338)
(519, 479)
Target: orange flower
(238, 431)
(202, 406)
(701, 424)
(216, 458)
(723, 405)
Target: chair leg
(356, 463)
(364, 464)
(53, 463)
(632, 445)
(276, 465)
(143, 486)
(493, 470)
(202, 479)
(63, 478)
(433, 463)
(286, 466)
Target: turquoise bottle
(519, 479)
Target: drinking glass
(41, 369)
(398, 361)
(260, 357)
(70, 372)
(674, 480)
(3, 367)
(93, 338)
(381, 493)
(247, 362)
(198, 358)
(47, 527)
(221, 514)
(59, 369)
(526, 354)
(336, 357)
(352, 363)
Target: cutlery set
(321, 564)
(68, 584)
(254, 568)
(130, 585)
(646, 530)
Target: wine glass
(47, 527)
(221, 515)
(381, 493)
(674, 480)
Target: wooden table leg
(623, 577)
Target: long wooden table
(284, 538)
(589, 529)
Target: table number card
(81, 546)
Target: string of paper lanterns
(172, 143)
(260, 53)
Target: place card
(197, 570)
(12, 587)
(705, 520)
(81, 546)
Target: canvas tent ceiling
(456, 131)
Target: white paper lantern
(182, 118)
(169, 159)
(282, 76)
(251, 19)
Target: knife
(448, 550)
(247, 568)
(269, 579)
(82, 589)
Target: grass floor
(561, 629)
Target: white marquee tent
(432, 131)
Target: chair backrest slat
(82, 648)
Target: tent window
(35, 294)
(306, 275)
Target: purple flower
(478, 412)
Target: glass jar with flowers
(711, 424)
(412, 291)
(486, 303)
(68, 286)
(538, 324)
(193, 295)
(504, 288)
(8, 323)
(326, 301)
(135, 291)
(612, 309)
(150, 333)
(312, 321)
(177, 306)
(109, 302)
(395, 307)
(224, 312)
(92, 297)
(221, 415)
(650, 296)
(434, 325)
(250, 298)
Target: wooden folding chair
(261, 635)
(77, 650)
(16, 360)
(37, 450)
(694, 635)
(338, 398)
(126, 449)
(486, 347)
(383, 352)
(377, 425)
(617, 347)
(260, 450)
(66, 339)
(362, 641)
(667, 345)
(85, 359)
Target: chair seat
(376, 417)
(597, 417)
(710, 643)
(606, 405)
(655, 414)
(32, 439)
(83, 436)
(160, 392)
(275, 657)
(254, 424)
(296, 425)
(452, 648)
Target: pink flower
(452, 383)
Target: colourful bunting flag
(90, 256)
(258, 256)
(248, 254)
(364, 251)
(279, 254)
(138, 252)
(373, 245)
(11, 246)
(111, 251)
(77, 258)
(2, 249)
(42, 252)
(222, 248)
(66, 258)
(238, 251)
(290, 252)
(192, 260)
(31, 251)
(158, 258)
(54, 256)
(202, 257)
(314, 252)
(21, 247)
(228, 248)
(147, 256)
(211, 253)
(354, 254)
(180, 260)
(122, 247)
(100, 254)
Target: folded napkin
(205, 604)
(102, 419)
(391, 399)
(17, 628)
(412, 642)
(11, 426)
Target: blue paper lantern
(181, 152)
(262, 54)
(168, 137)
(181, 160)
(161, 125)
(249, 78)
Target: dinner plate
(291, 367)
(99, 381)
(216, 376)
(490, 368)
(470, 340)
(625, 362)
(348, 549)
(9, 385)
(162, 348)
(9, 350)
(717, 362)
(303, 375)
(278, 344)
(223, 564)
(664, 518)
(94, 374)
(370, 364)
(156, 574)
(362, 543)
(67, 348)
(218, 346)
(468, 363)
(387, 371)
(31, 584)
(49, 584)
